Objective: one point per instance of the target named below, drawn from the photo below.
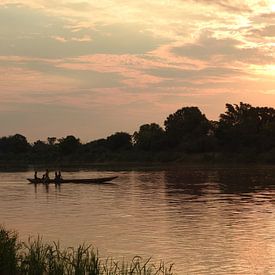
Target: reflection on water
(205, 220)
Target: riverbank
(21, 163)
(36, 257)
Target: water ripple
(205, 220)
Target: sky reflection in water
(205, 220)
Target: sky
(93, 68)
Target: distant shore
(243, 134)
(154, 161)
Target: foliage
(243, 126)
(150, 137)
(68, 145)
(38, 258)
(8, 252)
(119, 141)
(51, 140)
(14, 144)
(186, 125)
(242, 130)
(40, 147)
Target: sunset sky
(92, 68)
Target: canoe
(93, 180)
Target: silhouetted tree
(40, 147)
(51, 140)
(242, 129)
(267, 127)
(243, 126)
(119, 141)
(69, 145)
(186, 126)
(17, 144)
(98, 143)
(95, 149)
(150, 137)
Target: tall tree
(186, 125)
(14, 144)
(68, 145)
(243, 126)
(150, 137)
(119, 141)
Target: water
(205, 220)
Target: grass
(35, 257)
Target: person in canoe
(58, 177)
(46, 178)
(36, 178)
(59, 174)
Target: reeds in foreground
(35, 257)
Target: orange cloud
(149, 56)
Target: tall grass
(9, 252)
(35, 257)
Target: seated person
(58, 177)
(46, 177)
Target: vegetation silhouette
(243, 133)
(36, 257)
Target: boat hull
(85, 181)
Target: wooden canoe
(93, 180)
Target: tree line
(243, 132)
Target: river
(205, 220)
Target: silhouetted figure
(46, 177)
(58, 177)
(59, 174)
(37, 180)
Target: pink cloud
(20, 85)
(60, 38)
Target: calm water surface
(205, 220)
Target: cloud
(230, 5)
(114, 62)
(210, 48)
(203, 74)
(267, 31)
(46, 38)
